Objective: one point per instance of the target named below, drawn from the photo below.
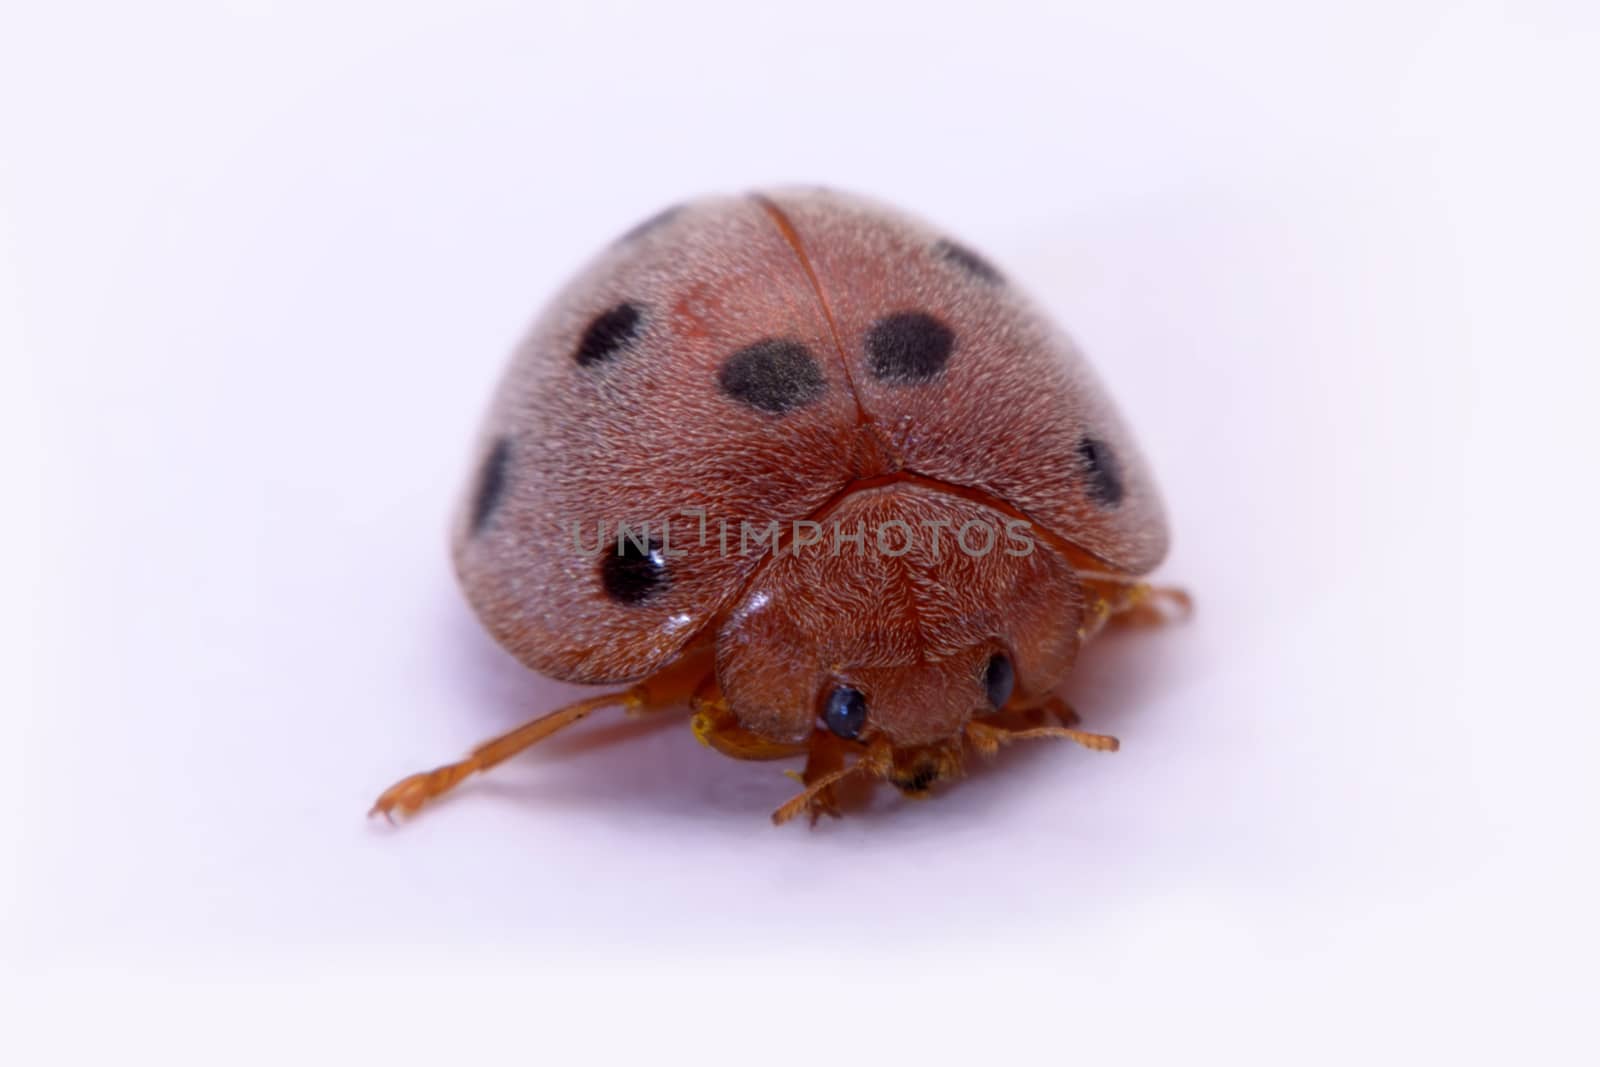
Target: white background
(259, 267)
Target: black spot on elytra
(968, 260)
(1104, 471)
(491, 484)
(658, 219)
(632, 575)
(774, 376)
(908, 347)
(608, 333)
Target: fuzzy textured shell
(867, 344)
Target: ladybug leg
(877, 760)
(716, 727)
(669, 688)
(409, 794)
(824, 759)
(1063, 712)
(1153, 605)
(1122, 602)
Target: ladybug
(817, 474)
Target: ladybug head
(899, 650)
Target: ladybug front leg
(715, 726)
(409, 794)
(826, 758)
(875, 761)
(667, 689)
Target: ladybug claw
(824, 803)
(406, 796)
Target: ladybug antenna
(987, 739)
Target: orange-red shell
(638, 419)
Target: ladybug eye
(999, 679)
(846, 712)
